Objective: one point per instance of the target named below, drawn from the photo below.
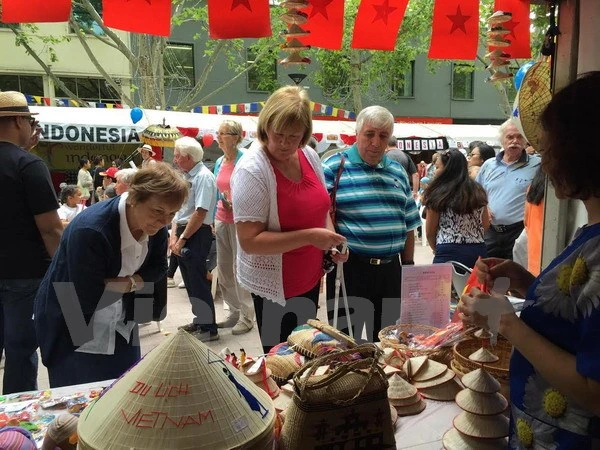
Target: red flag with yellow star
(138, 16)
(325, 24)
(20, 11)
(377, 24)
(230, 19)
(520, 35)
(455, 31)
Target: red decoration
(230, 19)
(20, 11)
(348, 139)
(325, 23)
(377, 24)
(189, 131)
(520, 34)
(138, 16)
(455, 31)
(207, 139)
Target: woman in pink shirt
(241, 316)
(280, 206)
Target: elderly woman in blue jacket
(88, 302)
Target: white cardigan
(254, 195)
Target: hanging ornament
(498, 37)
(294, 18)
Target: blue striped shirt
(375, 207)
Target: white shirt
(109, 320)
(67, 213)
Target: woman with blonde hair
(84, 308)
(280, 208)
(241, 309)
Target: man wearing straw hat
(31, 229)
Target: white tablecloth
(425, 431)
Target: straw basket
(440, 354)
(461, 364)
(317, 339)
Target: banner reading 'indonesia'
(53, 132)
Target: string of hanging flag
(256, 107)
(455, 26)
(38, 100)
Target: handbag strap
(333, 195)
(371, 351)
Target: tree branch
(81, 36)
(43, 65)
(111, 34)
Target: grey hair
(125, 175)
(376, 116)
(504, 126)
(188, 146)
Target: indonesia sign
(93, 134)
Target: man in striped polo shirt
(377, 215)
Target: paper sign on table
(425, 295)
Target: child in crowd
(71, 202)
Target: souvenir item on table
(445, 392)
(482, 421)
(461, 364)
(417, 340)
(391, 357)
(404, 397)
(431, 369)
(317, 339)
(284, 362)
(180, 394)
(16, 438)
(346, 408)
(413, 366)
(440, 379)
(483, 427)
(61, 433)
(454, 440)
(258, 372)
(482, 333)
(393, 414)
(483, 355)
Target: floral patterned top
(565, 310)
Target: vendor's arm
(407, 255)
(556, 366)
(489, 269)
(431, 227)
(193, 225)
(255, 239)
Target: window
(89, 89)
(262, 77)
(403, 84)
(178, 61)
(30, 85)
(462, 82)
(85, 20)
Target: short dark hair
(474, 144)
(570, 123)
(66, 191)
(97, 160)
(535, 194)
(486, 151)
(453, 188)
(83, 161)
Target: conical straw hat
(406, 401)
(482, 404)
(488, 427)
(445, 392)
(483, 355)
(399, 388)
(430, 370)
(441, 379)
(415, 365)
(181, 395)
(483, 334)
(412, 409)
(393, 415)
(455, 440)
(480, 380)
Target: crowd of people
(276, 211)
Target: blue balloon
(136, 115)
(520, 75)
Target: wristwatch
(133, 287)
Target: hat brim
(152, 152)
(17, 114)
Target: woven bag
(347, 408)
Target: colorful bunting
(138, 16)
(377, 24)
(325, 23)
(519, 26)
(30, 11)
(231, 19)
(455, 30)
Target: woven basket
(313, 342)
(441, 354)
(498, 369)
(333, 332)
(284, 362)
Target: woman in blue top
(555, 368)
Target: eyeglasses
(218, 133)
(32, 121)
